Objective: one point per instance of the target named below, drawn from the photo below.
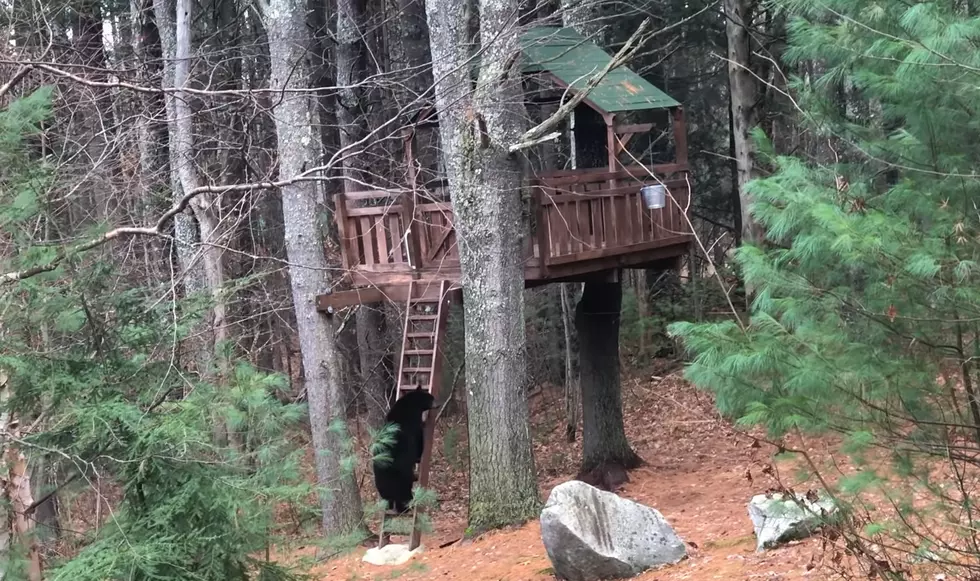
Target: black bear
(394, 465)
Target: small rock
(590, 534)
(390, 555)
(779, 519)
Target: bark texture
(195, 232)
(376, 377)
(744, 95)
(606, 453)
(370, 319)
(572, 389)
(309, 271)
(476, 129)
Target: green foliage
(867, 295)
(93, 368)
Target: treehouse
(610, 193)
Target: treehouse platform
(584, 224)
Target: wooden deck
(583, 222)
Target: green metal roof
(574, 59)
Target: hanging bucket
(654, 196)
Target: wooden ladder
(426, 315)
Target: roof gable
(574, 59)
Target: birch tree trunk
(202, 271)
(744, 95)
(309, 271)
(486, 182)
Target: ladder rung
(418, 352)
(420, 335)
(412, 387)
(423, 317)
(416, 370)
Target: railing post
(541, 217)
(412, 248)
(340, 215)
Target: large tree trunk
(486, 184)
(606, 453)
(370, 319)
(376, 377)
(744, 95)
(289, 39)
(201, 271)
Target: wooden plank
(396, 238)
(608, 252)
(637, 172)
(340, 216)
(377, 294)
(566, 213)
(374, 211)
(367, 195)
(435, 207)
(543, 236)
(367, 240)
(382, 247)
(625, 221)
(633, 128)
(562, 196)
(583, 209)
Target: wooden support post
(340, 216)
(409, 198)
(610, 142)
(541, 217)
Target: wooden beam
(340, 217)
(365, 296)
(623, 141)
(592, 175)
(633, 128)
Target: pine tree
(90, 385)
(866, 321)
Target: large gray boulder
(777, 518)
(590, 534)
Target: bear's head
(412, 405)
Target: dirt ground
(699, 472)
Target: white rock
(779, 519)
(390, 555)
(590, 534)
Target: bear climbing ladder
(420, 365)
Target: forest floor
(700, 473)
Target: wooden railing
(579, 216)
(593, 214)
